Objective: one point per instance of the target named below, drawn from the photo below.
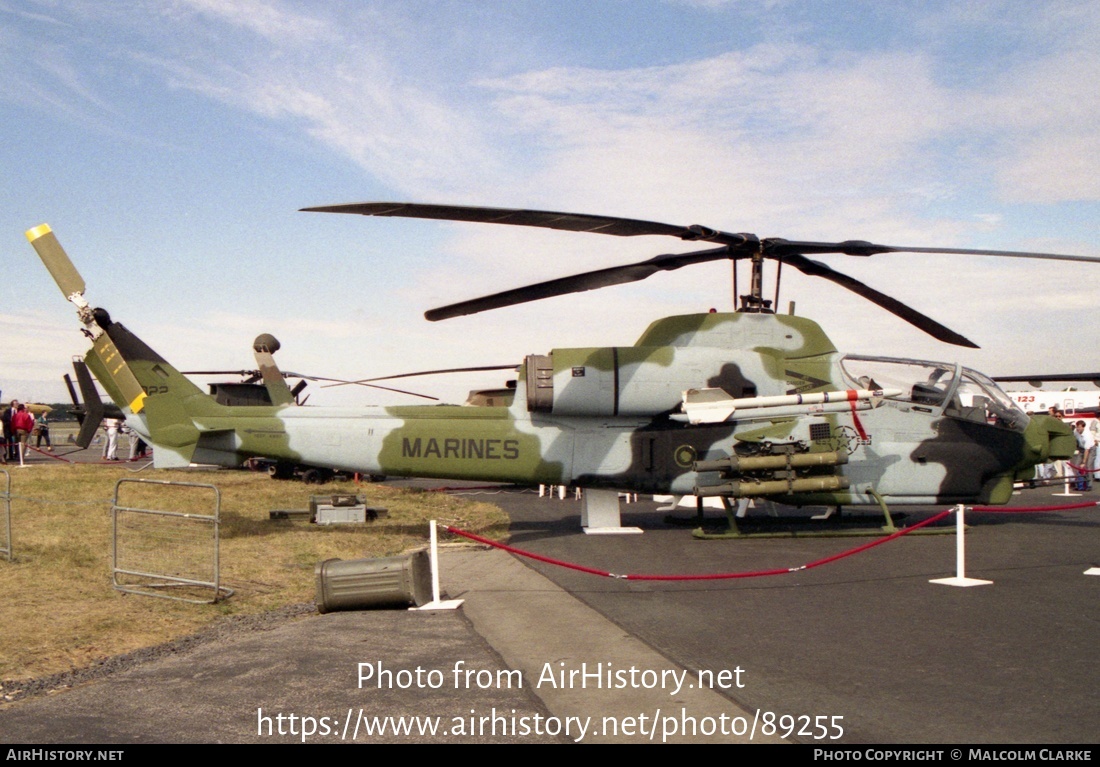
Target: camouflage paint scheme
(611, 418)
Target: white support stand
(673, 502)
(1065, 493)
(670, 501)
(600, 514)
(829, 511)
(960, 578)
(549, 491)
(433, 557)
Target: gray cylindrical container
(355, 584)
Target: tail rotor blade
(56, 260)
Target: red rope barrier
(1081, 469)
(880, 541)
(712, 576)
(1029, 509)
(532, 555)
(706, 577)
(50, 455)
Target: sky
(171, 144)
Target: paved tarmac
(866, 643)
(442, 673)
(866, 638)
(489, 672)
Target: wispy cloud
(275, 21)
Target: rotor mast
(754, 302)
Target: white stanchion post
(433, 558)
(960, 578)
(1065, 476)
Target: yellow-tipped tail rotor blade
(56, 260)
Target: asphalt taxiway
(868, 637)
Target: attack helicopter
(742, 404)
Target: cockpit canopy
(938, 387)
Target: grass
(61, 611)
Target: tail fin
(156, 398)
(91, 413)
(169, 401)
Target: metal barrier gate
(167, 552)
(5, 512)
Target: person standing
(1094, 429)
(110, 446)
(9, 431)
(137, 446)
(44, 432)
(1059, 469)
(1086, 445)
(22, 423)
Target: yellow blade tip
(38, 231)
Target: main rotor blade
(341, 382)
(1006, 253)
(631, 227)
(1038, 380)
(241, 373)
(478, 369)
(578, 283)
(254, 375)
(776, 247)
(546, 219)
(399, 391)
(738, 245)
(813, 268)
(56, 260)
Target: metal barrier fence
(5, 512)
(167, 552)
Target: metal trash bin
(355, 584)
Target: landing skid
(711, 502)
(831, 524)
(673, 502)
